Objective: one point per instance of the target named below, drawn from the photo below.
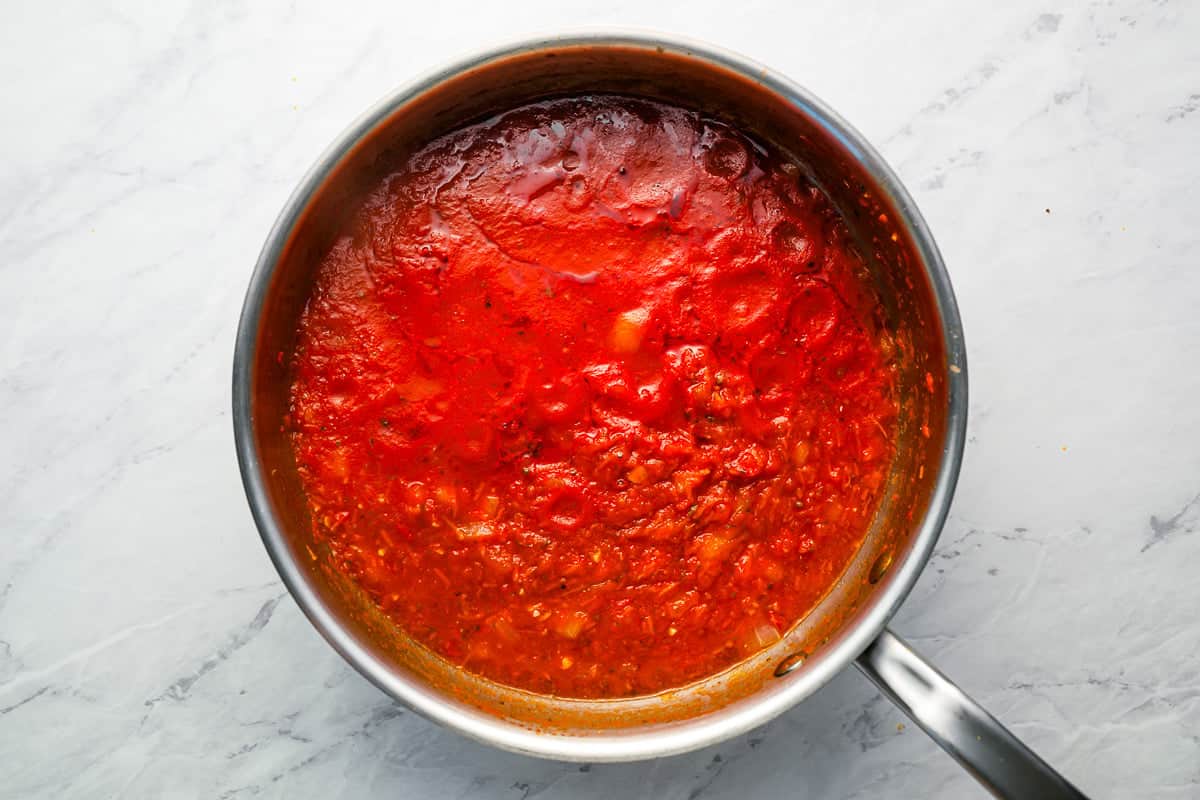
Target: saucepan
(848, 626)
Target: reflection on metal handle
(974, 737)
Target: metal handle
(997, 759)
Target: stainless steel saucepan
(848, 626)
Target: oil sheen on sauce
(587, 399)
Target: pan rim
(698, 731)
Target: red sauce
(587, 398)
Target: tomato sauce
(588, 400)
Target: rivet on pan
(880, 567)
(790, 663)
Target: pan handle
(984, 747)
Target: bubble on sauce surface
(678, 199)
(534, 148)
(726, 158)
(576, 195)
(794, 245)
(535, 182)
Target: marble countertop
(147, 647)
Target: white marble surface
(148, 648)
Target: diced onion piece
(447, 497)
(572, 624)
(473, 531)
(713, 548)
(686, 480)
(503, 626)
(418, 387)
(489, 504)
(757, 634)
(337, 463)
(628, 330)
(765, 634)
